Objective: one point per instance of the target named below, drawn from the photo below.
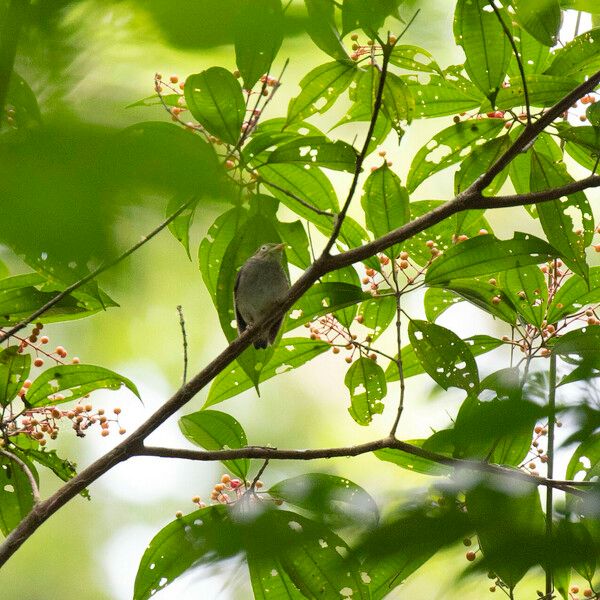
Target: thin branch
(74, 286)
(515, 50)
(398, 360)
(185, 344)
(550, 454)
(23, 466)
(259, 474)
(289, 194)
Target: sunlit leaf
(14, 369)
(322, 29)
(367, 15)
(573, 294)
(541, 20)
(317, 151)
(579, 57)
(16, 494)
(527, 290)
(585, 460)
(366, 383)
(542, 90)
(296, 240)
(377, 313)
(344, 276)
(413, 58)
(411, 462)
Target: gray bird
(260, 284)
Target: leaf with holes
(542, 19)
(578, 58)
(215, 99)
(585, 460)
(445, 357)
(291, 353)
(366, 383)
(377, 313)
(542, 90)
(16, 494)
(345, 276)
(14, 369)
(414, 58)
(214, 430)
(526, 289)
(437, 301)
(449, 146)
(574, 294)
(316, 150)
(63, 383)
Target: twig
(40, 311)
(316, 210)
(517, 58)
(398, 360)
(185, 344)
(259, 474)
(35, 492)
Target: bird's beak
(280, 247)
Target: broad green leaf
(344, 276)
(367, 15)
(574, 294)
(321, 87)
(506, 523)
(322, 29)
(14, 369)
(214, 430)
(192, 540)
(582, 155)
(437, 301)
(586, 5)
(557, 216)
(366, 383)
(487, 48)
(22, 100)
(64, 469)
(411, 462)
(377, 313)
(541, 19)
(335, 500)
(180, 226)
(386, 204)
(580, 347)
(16, 495)
(592, 113)
(291, 353)
(527, 291)
(478, 344)
(575, 546)
(586, 136)
(478, 162)
(321, 299)
(269, 579)
(448, 147)
(579, 58)
(296, 240)
(445, 357)
(542, 90)
(585, 460)
(215, 99)
(534, 55)
(443, 96)
(63, 383)
(154, 100)
(258, 33)
(318, 151)
(413, 58)
(487, 255)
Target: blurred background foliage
(73, 187)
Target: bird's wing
(241, 324)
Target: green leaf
(585, 460)
(334, 500)
(578, 58)
(321, 87)
(542, 19)
(485, 44)
(180, 226)
(437, 301)
(322, 29)
(269, 579)
(574, 294)
(386, 204)
(377, 313)
(296, 240)
(506, 523)
(16, 495)
(215, 99)
(316, 150)
(155, 100)
(487, 255)
(543, 90)
(478, 162)
(22, 100)
(214, 430)
(291, 353)
(258, 33)
(62, 468)
(63, 383)
(366, 383)
(414, 58)
(527, 291)
(534, 55)
(587, 137)
(556, 216)
(443, 96)
(445, 357)
(411, 462)
(14, 369)
(448, 147)
(367, 15)
(346, 276)
(592, 113)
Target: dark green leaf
(16, 495)
(14, 369)
(367, 15)
(296, 240)
(215, 99)
(214, 430)
(335, 500)
(448, 147)
(487, 48)
(291, 353)
(63, 383)
(437, 301)
(270, 580)
(527, 291)
(557, 216)
(542, 19)
(487, 255)
(316, 150)
(578, 58)
(574, 294)
(377, 313)
(366, 383)
(585, 460)
(62, 468)
(345, 276)
(180, 226)
(411, 462)
(445, 357)
(258, 33)
(414, 58)
(320, 89)
(385, 203)
(322, 29)
(534, 55)
(21, 99)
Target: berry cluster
(369, 48)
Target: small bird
(260, 284)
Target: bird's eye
(263, 248)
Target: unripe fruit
(38, 362)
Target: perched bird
(260, 284)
